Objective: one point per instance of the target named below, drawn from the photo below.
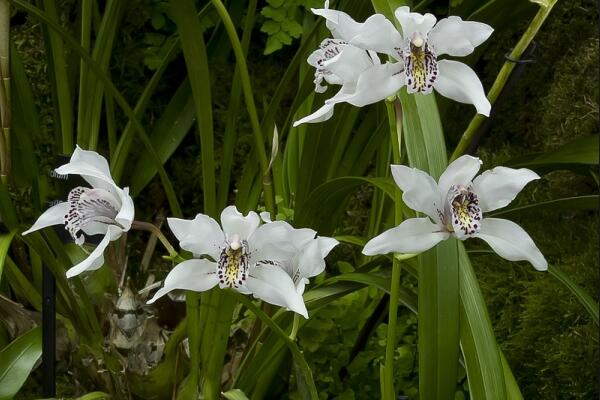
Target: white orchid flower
(248, 257)
(417, 48)
(307, 254)
(104, 209)
(363, 78)
(310, 261)
(454, 206)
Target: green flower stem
(295, 325)
(259, 140)
(147, 226)
(394, 112)
(503, 76)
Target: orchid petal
(96, 258)
(511, 242)
(412, 22)
(460, 172)
(202, 235)
(235, 223)
(497, 187)
(374, 84)
(456, 37)
(265, 216)
(419, 190)
(127, 211)
(273, 285)
(377, 33)
(414, 235)
(55, 215)
(95, 228)
(197, 275)
(459, 82)
(278, 241)
(349, 63)
(322, 114)
(311, 261)
(91, 166)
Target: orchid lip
(233, 264)
(87, 206)
(462, 214)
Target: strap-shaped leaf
(17, 360)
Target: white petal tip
(70, 273)
(368, 251)
(543, 266)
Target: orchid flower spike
(454, 206)
(417, 49)
(103, 209)
(249, 257)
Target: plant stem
(502, 77)
(295, 326)
(394, 111)
(259, 141)
(147, 226)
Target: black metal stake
(48, 333)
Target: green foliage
(283, 23)
(340, 370)
(17, 360)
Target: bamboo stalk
(5, 110)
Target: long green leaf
(61, 82)
(323, 204)
(5, 241)
(485, 371)
(589, 202)
(585, 299)
(88, 120)
(194, 50)
(438, 325)
(167, 134)
(17, 360)
(581, 151)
